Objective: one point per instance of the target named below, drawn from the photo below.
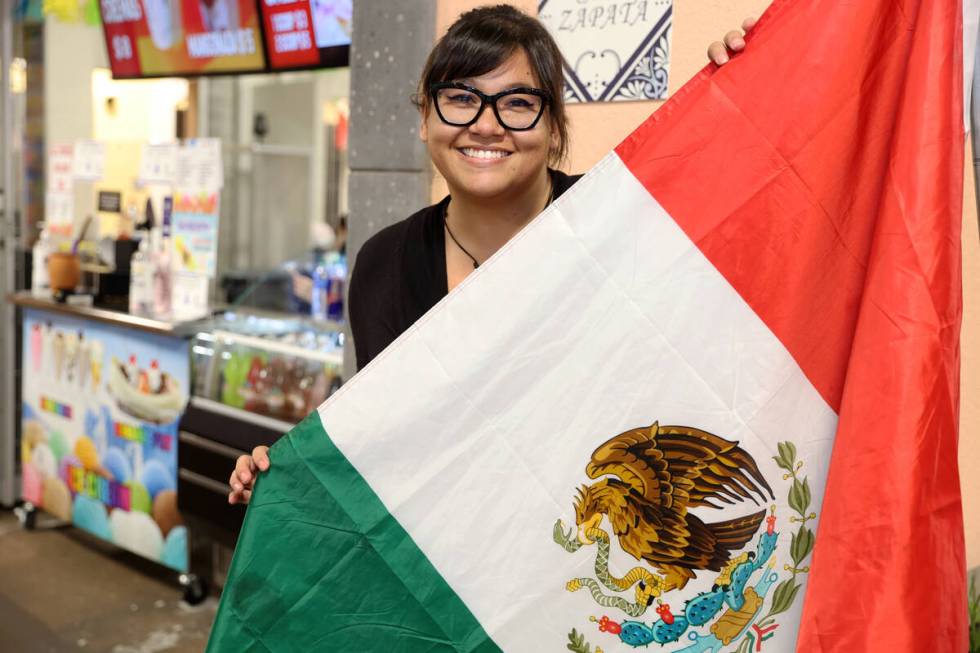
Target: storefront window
(285, 167)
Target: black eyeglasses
(516, 109)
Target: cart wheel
(26, 515)
(195, 588)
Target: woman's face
(517, 158)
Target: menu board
(153, 38)
(307, 33)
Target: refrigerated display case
(278, 367)
(254, 376)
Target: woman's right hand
(247, 469)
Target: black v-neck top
(400, 273)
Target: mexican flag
(707, 401)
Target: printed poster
(100, 408)
(59, 196)
(158, 163)
(199, 166)
(60, 168)
(88, 161)
(194, 233)
(612, 51)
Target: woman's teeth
(484, 154)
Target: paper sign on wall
(158, 163)
(613, 50)
(59, 213)
(199, 166)
(60, 168)
(190, 296)
(89, 160)
(59, 197)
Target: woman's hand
(247, 469)
(734, 41)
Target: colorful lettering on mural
(130, 432)
(140, 434)
(49, 405)
(88, 483)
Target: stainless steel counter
(174, 329)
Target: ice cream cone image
(58, 351)
(184, 254)
(159, 17)
(36, 347)
(33, 434)
(95, 353)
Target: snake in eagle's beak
(585, 527)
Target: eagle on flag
(653, 476)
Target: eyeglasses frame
(492, 101)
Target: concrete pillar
(389, 166)
(8, 254)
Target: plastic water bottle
(319, 304)
(160, 257)
(337, 276)
(40, 282)
(141, 280)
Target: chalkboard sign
(110, 201)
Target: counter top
(173, 329)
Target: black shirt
(400, 273)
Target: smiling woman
(493, 118)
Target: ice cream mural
(99, 446)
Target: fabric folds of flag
(708, 400)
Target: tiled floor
(62, 591)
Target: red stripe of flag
(821, 173)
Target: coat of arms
(646, 483)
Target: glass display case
(255, 374)
(277, 366)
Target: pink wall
(597, 128)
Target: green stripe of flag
(321, 565)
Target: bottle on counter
(329, 276)
(319, 302)
(162, 280)
(148, 218)
(40, 281)
(133, 215)
(336, 277)
(141, 280)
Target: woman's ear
(423, 125)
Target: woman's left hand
(734, 41)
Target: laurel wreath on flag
(577, 643)
(801, 546)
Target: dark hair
(481, 40)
